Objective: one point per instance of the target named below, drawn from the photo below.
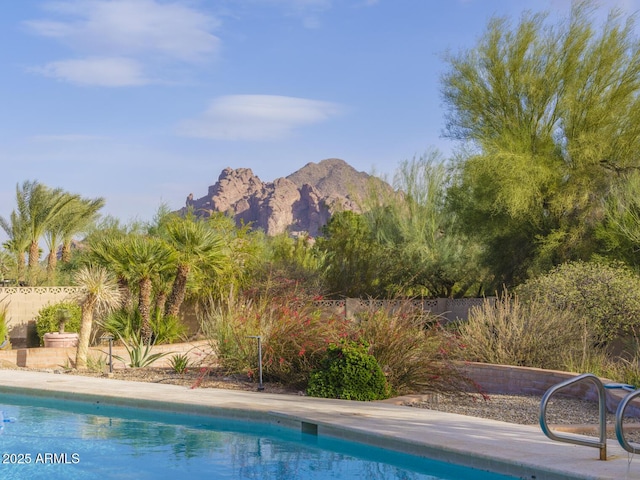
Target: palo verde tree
(550, 118)
(431, 256)
(620, 232)
(355, 264)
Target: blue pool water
(50, 439)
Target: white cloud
(257, 117)
(143, 32)
(102, 72)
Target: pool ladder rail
(601, 442)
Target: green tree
(18, 241)
(245, 254)
(550, 118)
(195, 243)
(620, 231)
(74, 217)
(38, 207)
(355, 264)
(100, 293)
(78, 219)
(431, 256)
(137, 260)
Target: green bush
(180, 362)
(349, 372)
(48, 319)
(606, 296)
(126, 323)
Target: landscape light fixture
(260, 386)
(108, 336)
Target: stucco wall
(23, 305)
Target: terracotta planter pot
(57, 340)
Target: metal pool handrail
(601, 443)
(619, 418)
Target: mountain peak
(300, 203)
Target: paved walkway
(521, 451)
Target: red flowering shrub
(294, 333)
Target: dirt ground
(205, 377)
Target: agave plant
(139, 353)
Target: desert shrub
(606, 295)
(349, 372)
(48, 318)
(97, 363)
(510, 332)
(4, 329)
(180, 362)
(123, 323)
(227, 327)
(294, 332)
(167, 329)
(415, 353)
(126, 323)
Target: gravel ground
(562, 412)
(522, 409)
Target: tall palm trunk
(66, 252)
(52, 262)
(144, 305)
(20, 267)
(178, 290)
(34, 257)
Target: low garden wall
(510, 380)
(56, 358)
(489, 378)
(24, 303)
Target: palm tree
(195, 243)
(18, 241)
(38, 206)
(71, 220)
(100, 293)
(137, 260)
(83, 213)
(147, 257)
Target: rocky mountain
(300, 203)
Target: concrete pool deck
(521, 451)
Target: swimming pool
(51, 439)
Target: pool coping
(517, 450)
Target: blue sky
(145, 101)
